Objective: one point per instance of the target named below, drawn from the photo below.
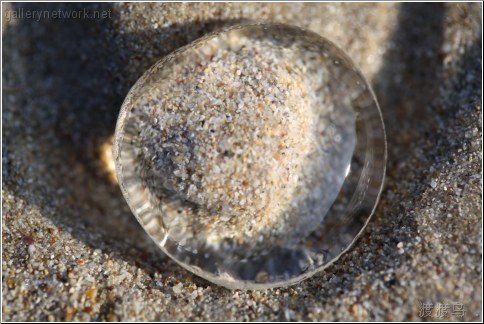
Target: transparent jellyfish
(254, 157)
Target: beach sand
(72, 250)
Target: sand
(72, 249)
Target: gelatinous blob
(254, 156)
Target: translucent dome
(254, 156)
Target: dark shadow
(408, 82)
(407, 89)
(78, 72)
